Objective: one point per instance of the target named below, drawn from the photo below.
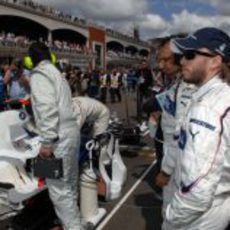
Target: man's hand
(46, 152)
(162, 179)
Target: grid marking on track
(125, 197)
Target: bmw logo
(22, 115)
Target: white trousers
(64, 192)
(168, 192)
(216, 218)
(171, 159)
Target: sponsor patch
(203, 124)
(22, 115)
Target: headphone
(28, 63)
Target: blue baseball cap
(211, 38)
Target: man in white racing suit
(173, 103)
(56, 122)
(202, 200)
(92, 111)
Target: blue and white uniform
(174, 102)
(202, 200)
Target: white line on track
(125, 197)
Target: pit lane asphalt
(137, 209)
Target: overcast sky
(155, 18)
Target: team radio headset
(28, 63)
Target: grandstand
(81, 42)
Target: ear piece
(53, 58)
(28, 63)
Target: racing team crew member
(202, 200)
(92, 112)
(56, 121)
(173, 101)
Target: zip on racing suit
(56, 121)
(203, 198)
(174, 102)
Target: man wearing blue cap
(202, 200)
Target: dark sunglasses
(191, 54)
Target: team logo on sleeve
(22, 115)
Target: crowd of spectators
(123, 36)
(48, 10)
(95, 83)
(112, 54)
(10, 39)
